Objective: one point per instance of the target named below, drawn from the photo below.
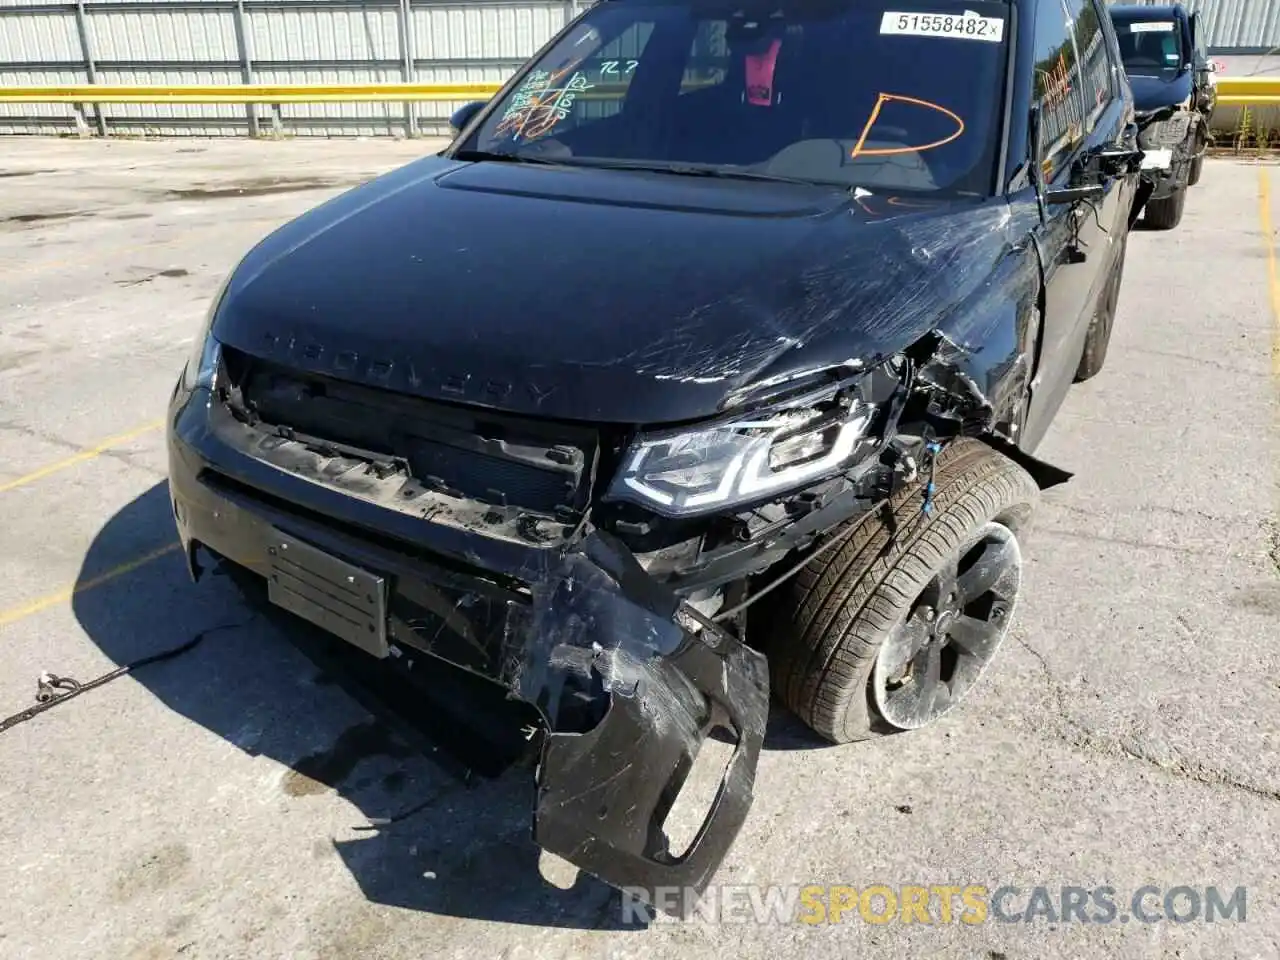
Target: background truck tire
(1198, 143)
(1167, 213)
(1197, 166)
(827, 629)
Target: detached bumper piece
(673, 677)
(629, 679)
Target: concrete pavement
(211, 806)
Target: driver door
(1069, 231)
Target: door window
(1058, 87)
(1095, 67)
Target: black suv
(714, 351)
(1174, 96)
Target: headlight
(680, 474)
(202, 363)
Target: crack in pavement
(1091, 512)
(1202, 361)
(27, 432)
(1128, 541)
(131, 460)
(1272, 527)
(122, 456)
(1089, 740)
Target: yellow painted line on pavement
(14, 614)
(95, 451)
(1273, 274)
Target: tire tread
(838, 609)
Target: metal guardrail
(79, 95)
(248, 93)
(1249, 91)
(1232, 92)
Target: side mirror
(463, 115)
(1116, 161)
(1093, 191)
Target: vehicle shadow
(463, 849)
(459, 841)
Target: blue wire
(933, 448)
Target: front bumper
(1169, 147)
(575, 621)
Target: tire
(1098, 339)
(1197, 148)
(1166, 214)
(1197, 166)
(848, 612)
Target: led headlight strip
(719, 466)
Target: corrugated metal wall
(264, 41)
(336, 41)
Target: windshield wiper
(675, 169)
(694, 170)
(503, 157)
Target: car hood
(1165, 89)
(601, 295)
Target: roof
(1127, 13)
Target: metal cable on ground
(49, 685)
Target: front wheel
(894, 628)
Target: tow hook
(50, 686)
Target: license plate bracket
(1157, 160)
(346, 600)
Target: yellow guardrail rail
(1232, 91)
(1249, 91)
(248, 93)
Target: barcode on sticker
(1151, 27)
(961, 26)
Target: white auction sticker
(961, 26)
(1152, 27)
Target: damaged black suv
(1164, 59)
(709, 359)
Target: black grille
(483, 455)
(490, 479)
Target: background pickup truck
(1174, 97)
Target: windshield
(1149, 47)
(893, 94)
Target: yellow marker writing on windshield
(859, 148)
